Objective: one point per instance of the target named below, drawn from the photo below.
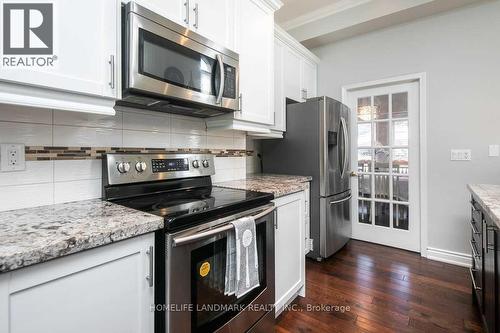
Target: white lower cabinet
(99, 290)
(289, 248)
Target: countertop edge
(485, 205)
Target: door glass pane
(365, 186)
(364, 212)
(400, 105)
(382, 157)
(364, 135)
(400, 217)
(365, 160)
(382, 187)
(381, 131)
(400, 160)
(400, 188)
(382, 213)
(170, 62)
(381, 107)
(400, 131)
(364, 109)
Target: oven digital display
(167, 165)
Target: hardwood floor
(386, 290)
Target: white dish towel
(242, 262)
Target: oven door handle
(179, 241)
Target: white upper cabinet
(82, 72)
(254, 42)
(213, 19)
(295, 75)
(255, 45)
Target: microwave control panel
(229, 82)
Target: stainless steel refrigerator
(316, 143)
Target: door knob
(353, 174)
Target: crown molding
(286, 38)
(272, 5)
(322, 13)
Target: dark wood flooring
(387, 290)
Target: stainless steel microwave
(169, 68)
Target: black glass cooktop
(185, 208)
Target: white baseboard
(449, 257)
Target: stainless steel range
(190, 255)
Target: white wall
(47, 182)
(460, 52)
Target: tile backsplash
(56, 181)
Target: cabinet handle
(488, 245)
(304, 94)
(474, 229)
(473, 248)
(473, 280)
(186, 19)
(111, 63)
(196, 10)
(149, 278)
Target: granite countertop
(488, 197)
(34, 235)
(279, 185)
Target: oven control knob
(196, 164)
(141, 166)
(205, 163)
(123, 167)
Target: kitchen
(334, 138)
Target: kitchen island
(485, 252)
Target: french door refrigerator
(316, 143)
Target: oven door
(163, 62)
(195, 278)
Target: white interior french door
(385, 156)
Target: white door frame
(421, 78)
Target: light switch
(12, 157)
(494, 150)
(461, 154)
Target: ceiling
(319, 22)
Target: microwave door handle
(222, 79)
(179, 241)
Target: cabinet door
(255, 44)
(100, 290)
(214, 19)
(289, 248)
(308, 79)
(279, 97)
(175, 10)
(291, 69)
(85, 44)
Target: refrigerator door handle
(346, 144)
(341, 200)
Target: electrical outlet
(12, 157)
(461, 155)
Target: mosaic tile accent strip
(53, 153)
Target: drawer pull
(473, 280)
(473, 248)
(474, 229)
